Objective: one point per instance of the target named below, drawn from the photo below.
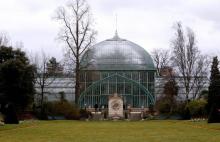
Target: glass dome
(117, 54)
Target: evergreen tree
(214, 91)
(171, 91)
(16, 78)
(54, 67)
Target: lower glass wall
(135, 87)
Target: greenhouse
(54, 86)
(119, 66)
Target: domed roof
(117, 54)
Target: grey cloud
(147, 22)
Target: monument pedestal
(115, 107)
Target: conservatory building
(117, 66)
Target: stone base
(132, 114)
(116, 118)
(97, 116)
(135, 116)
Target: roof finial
(116, 23)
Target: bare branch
(189, 62)
(76, 33)
(161, 58)
(4, 39)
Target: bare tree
(76, 33)
(189, 62)
(201, 81)
(4, 39)
(170, 93)
(161, 59)
(44, 76)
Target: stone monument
(115, 107)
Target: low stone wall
(97, 115)
(131, 114)
(135, 116)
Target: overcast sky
(146, 22)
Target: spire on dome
(116, 37)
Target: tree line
(187, 70)
(77, 34)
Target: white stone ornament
(115, 107)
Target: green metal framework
(133, 92)
(119, 66)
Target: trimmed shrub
(164, 106)
(179, 110)
(197, 108)
(84, 114)
(214, 115)
(1, 117)
(63, 108)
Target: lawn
(108, 131)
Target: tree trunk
(41, 101)
(77, 33)
(77, 83)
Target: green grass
(108, 131)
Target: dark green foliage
(47, 71)
(214, 116)
(167, 103)
(163, 106)
(179, 109)
(16, 78)
(171, 88)
(197, 108)
(151, 109)
(54, 67)
(10, 115)
(183, 110)
(186, 114)
(214, 91)
(63, 108)
(204, 94)
(84, 114)
(42, 113)
(62, 96)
